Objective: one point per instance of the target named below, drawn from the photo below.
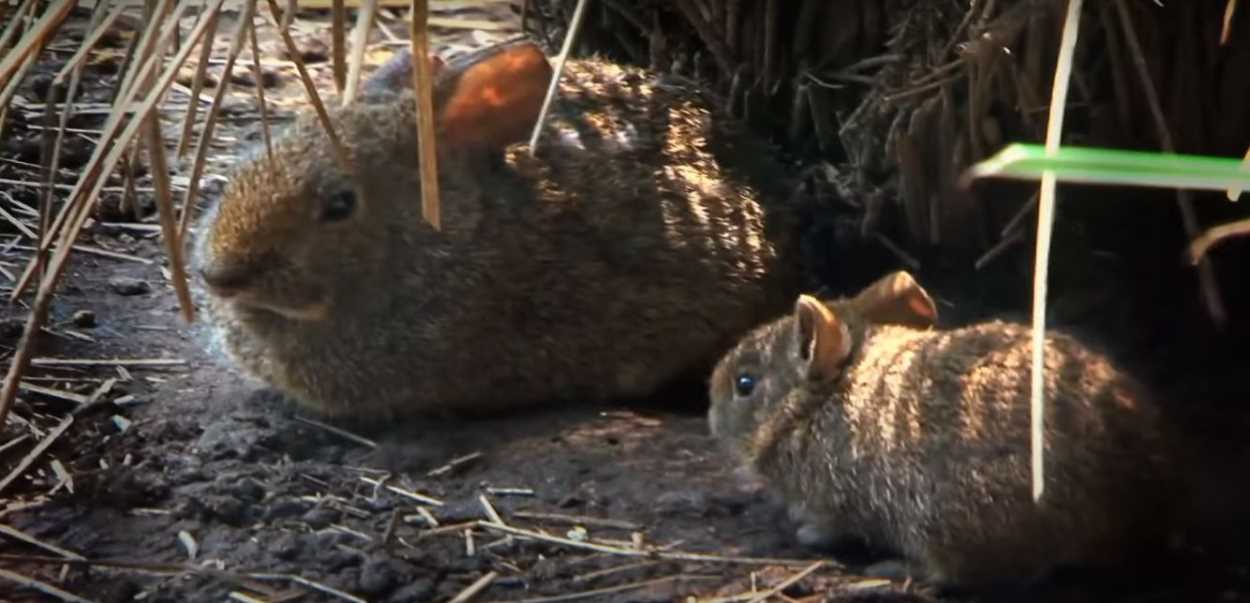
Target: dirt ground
(177, 480)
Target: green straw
(1090, 165)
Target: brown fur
(646, 236)
(919, 439)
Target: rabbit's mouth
(314, 311)
(246, 301)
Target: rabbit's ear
(824, 341)
(896, 298)
(395, 76)
(493, 102)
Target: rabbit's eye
(339, 207)
(744, 384)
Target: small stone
(287, 547)
(41, 83)
(285, 509)
(312, 49)
(377, 577)
(250, 490)
(682, 502)
(236, 105)
(186, 77)
(125, 285)
(229, 510)
(320, 517)
(84, 319)
(246, 77)
(11, 328)
(420, 589)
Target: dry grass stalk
(159, 169)
(338, 38)
(317, 586)
(73, 70)
(342, 433)
(1206, 272)
(454, 464)
(1230, 8)
(52, 392)
(210, 122)
(340, 153)
(1199, 247)
(652, 553)
(147, 43)
(579, 519)
(16, 534)
(608, 590)
(422, 80)
(8, 92)
(421, 498)
(197, 85)
(116, 255)
(116, 362)
(360, 41)
(1234, 193)
(574, 26)
(104, 159)
(42, 587)
(6, 37)
(98, 165)
(165, 213)
(478, 586)
(33, 40)
(787, 583)
(489, 510)
(35, 452)
(587, 577)
(260, 89)
(1045, 227)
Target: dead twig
(35, 542)
(35, 452)
(421, 498)
(787, 583)
(579, 519)
(42, 587)
(478, 586)
(454, 464)
(643, 553)
(342, 433)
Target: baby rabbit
(646, 236)
(873, 426)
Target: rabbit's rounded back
(918, 439)
(639, 242)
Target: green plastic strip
(1089, 165)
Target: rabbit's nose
(227, 278)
